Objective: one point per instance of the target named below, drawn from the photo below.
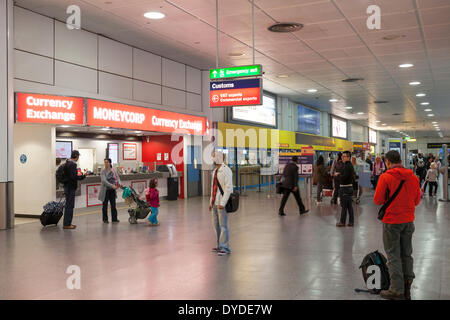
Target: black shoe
(105, 221)
(304, 211)
(115, 221)
(281, 214)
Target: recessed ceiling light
(348, 107)
(377, 121)
(312, 90)
(425, 103)
(154, 15)
(360, 113)
(414, 83)
(430, 115)
(434, 122)
(64, 126)
(420, 95)
(137, 131)
(283, 76)
(333, 100)
(236, 54)
(384, 124)
(427, 110)
(406, 65)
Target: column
(6, 115)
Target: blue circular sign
(23, 158)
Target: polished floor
(291, 257)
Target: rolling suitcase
(53, 211)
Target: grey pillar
(6, 115)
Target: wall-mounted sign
(116, 115)
(265, 114)
(23, 158)
(243, 92)
(437, 145)
(372, 136)
(40, 108)
(236, 72)
(129, 151)
(166, 156)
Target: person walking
(369, 161)
(378, 169)
(420, 168)
(431, 179)
(290, 185)
(110, 183)
(356, 185)
(70, 187)
(221, 189)
(337, 167)
(320, 176)
(398, 225)
(346, 190)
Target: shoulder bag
(383, 209)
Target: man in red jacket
(398, 224)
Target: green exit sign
(236, 72)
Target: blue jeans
(153, 215)
(220, 222)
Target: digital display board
(338, 128)
(372, 136)
(308, 120)
(265, 114)
(63, 149)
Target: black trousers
(70, 204)
(111, 197)
(433, 185)
(346, 194)
(286, 194)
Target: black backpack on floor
(378, 259)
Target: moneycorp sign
(115, 115)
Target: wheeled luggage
(53, 211)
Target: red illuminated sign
(245, 92)
(116, 115)
(40, 108)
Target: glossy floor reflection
(291, 257)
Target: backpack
(378, 259)
(61, 174)
(420, 163)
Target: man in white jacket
(224, 176)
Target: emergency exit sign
(236, 72)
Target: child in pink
(152, 197)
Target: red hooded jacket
(402, 208)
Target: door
(194, 169)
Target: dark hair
(153, 183)
(294, 158)
(339, 156)
(75, 154)
(393, 156)
(58, 161)
(320, 161)
(109, 160)
(347, 153)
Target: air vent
(396, 114)
(352, 79)
(285, 27)
(380, 101)
(406, 121)
(393, 36)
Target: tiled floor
(291, 257)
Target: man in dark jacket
(290, 184)
(346, 179)
(70, 186)
(398, 224)
(337, 167)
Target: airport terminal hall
(224, 157)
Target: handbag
(233, 202)
(382, 210)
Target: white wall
(54, 60)
(357, 132)
(101, 145)
(34, 181)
